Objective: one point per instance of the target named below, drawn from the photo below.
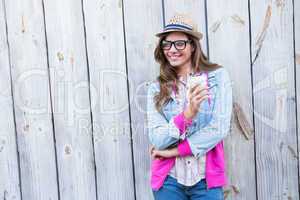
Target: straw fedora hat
(181, 23)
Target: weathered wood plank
(195, 9)
(142, 20)
(9, 166)
(297, 61)
(274, 107)
(70, 97)
(228, 39)
(109, 96)
(26, 36)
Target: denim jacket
(207, 129)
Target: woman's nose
(173, 49)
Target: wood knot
(68, 150)
(60, 56)
(243, 123)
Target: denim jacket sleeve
(204, 139)
(162, 132)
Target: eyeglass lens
(179, 44)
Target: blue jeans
(171, 189)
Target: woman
(187, 125)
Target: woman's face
(181, 54)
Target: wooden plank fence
(73, 82)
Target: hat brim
(197, 35)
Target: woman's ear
(193, 47)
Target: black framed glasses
(178, 44)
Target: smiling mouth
(174, 57)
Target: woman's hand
(196, 95)
(162, 154)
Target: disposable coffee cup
(197, 79)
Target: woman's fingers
(202, 94)
(199, 90)
(195, 96)
(151, 149)
(200, 99)
(153, 154)
(197, 87)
